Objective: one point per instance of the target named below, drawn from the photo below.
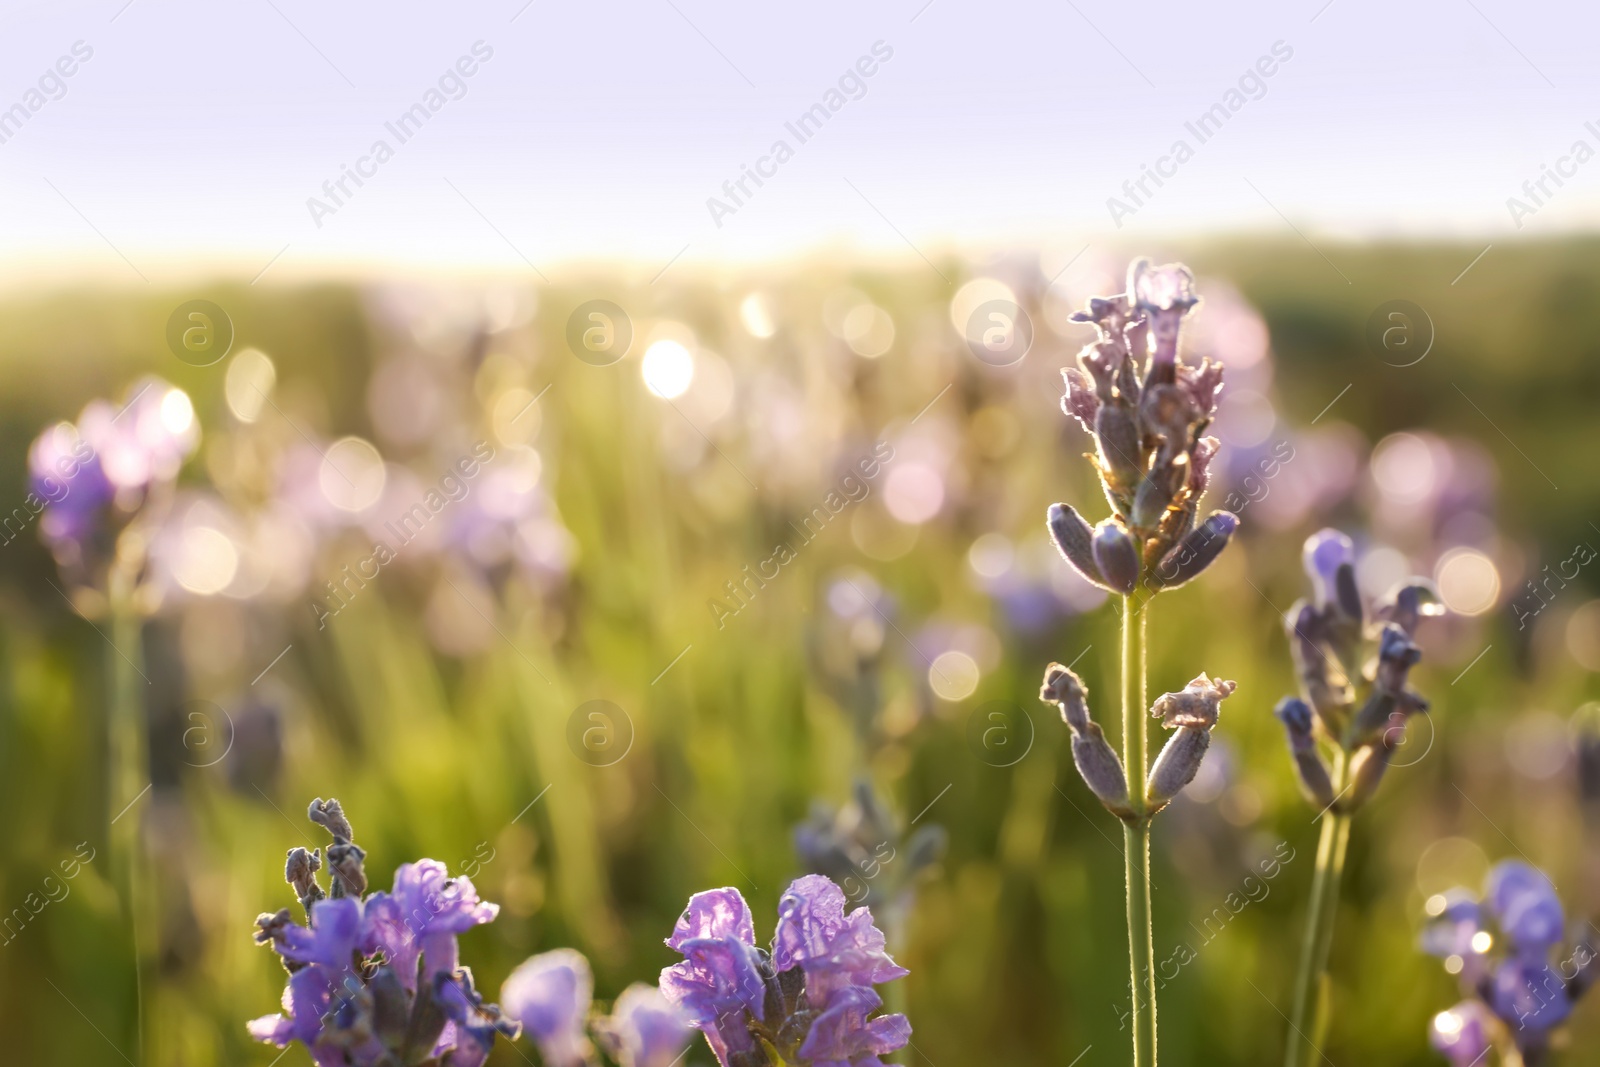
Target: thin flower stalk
(1147, 412)
(1329, 638)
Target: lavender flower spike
(549, 994)
(644, 1028)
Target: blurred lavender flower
(550, 994)
(1461, 1033)
(353, 996)
(861, 847)
(97, 478)
(1326, 643)
(1520, 987)
(847, 648)
(644, 1028)
(810, 999)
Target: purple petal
(1526, 905)
(714, 913)
(1451, 932)
(1529, 994)
(843, 1033)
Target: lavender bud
(329, 815)
(1196, 704)
(1196, 551)
(1321, 680)
(1116, 556)
(1366, 770)
(1155, 493)
(1346, 594)
(1176, 766)
(1121, 454)
(346, 875)
(1073, 538)
(1409, 603)
(1324, 553)
(1165, 294)
(1079, 401)
(1396, 656)
(1065, 689)
(299, 870)
(1296, 717)
(1097, 763)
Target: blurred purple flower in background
(549, 994)
(114, 466)
(1521, 995)
(644, 1028)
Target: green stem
(1136, 835)
(1309, 1021)
(127, 779)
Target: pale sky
(193, 136)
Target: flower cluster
(92, 479)
(1518, 996)
(809, 1000)
(1326, 640)
(374, 979)
(1147, 417)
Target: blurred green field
(1016, 943)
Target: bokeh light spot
(668, 369)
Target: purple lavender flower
(723, 974)
(1325, 641)
(353, 997)
(1526, 906)
(92, 478)
(1461, 1033)
(549, 994)
(1522, 988)
(644, 1028)
(805, 999)
(423, 915)
(832, 948)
